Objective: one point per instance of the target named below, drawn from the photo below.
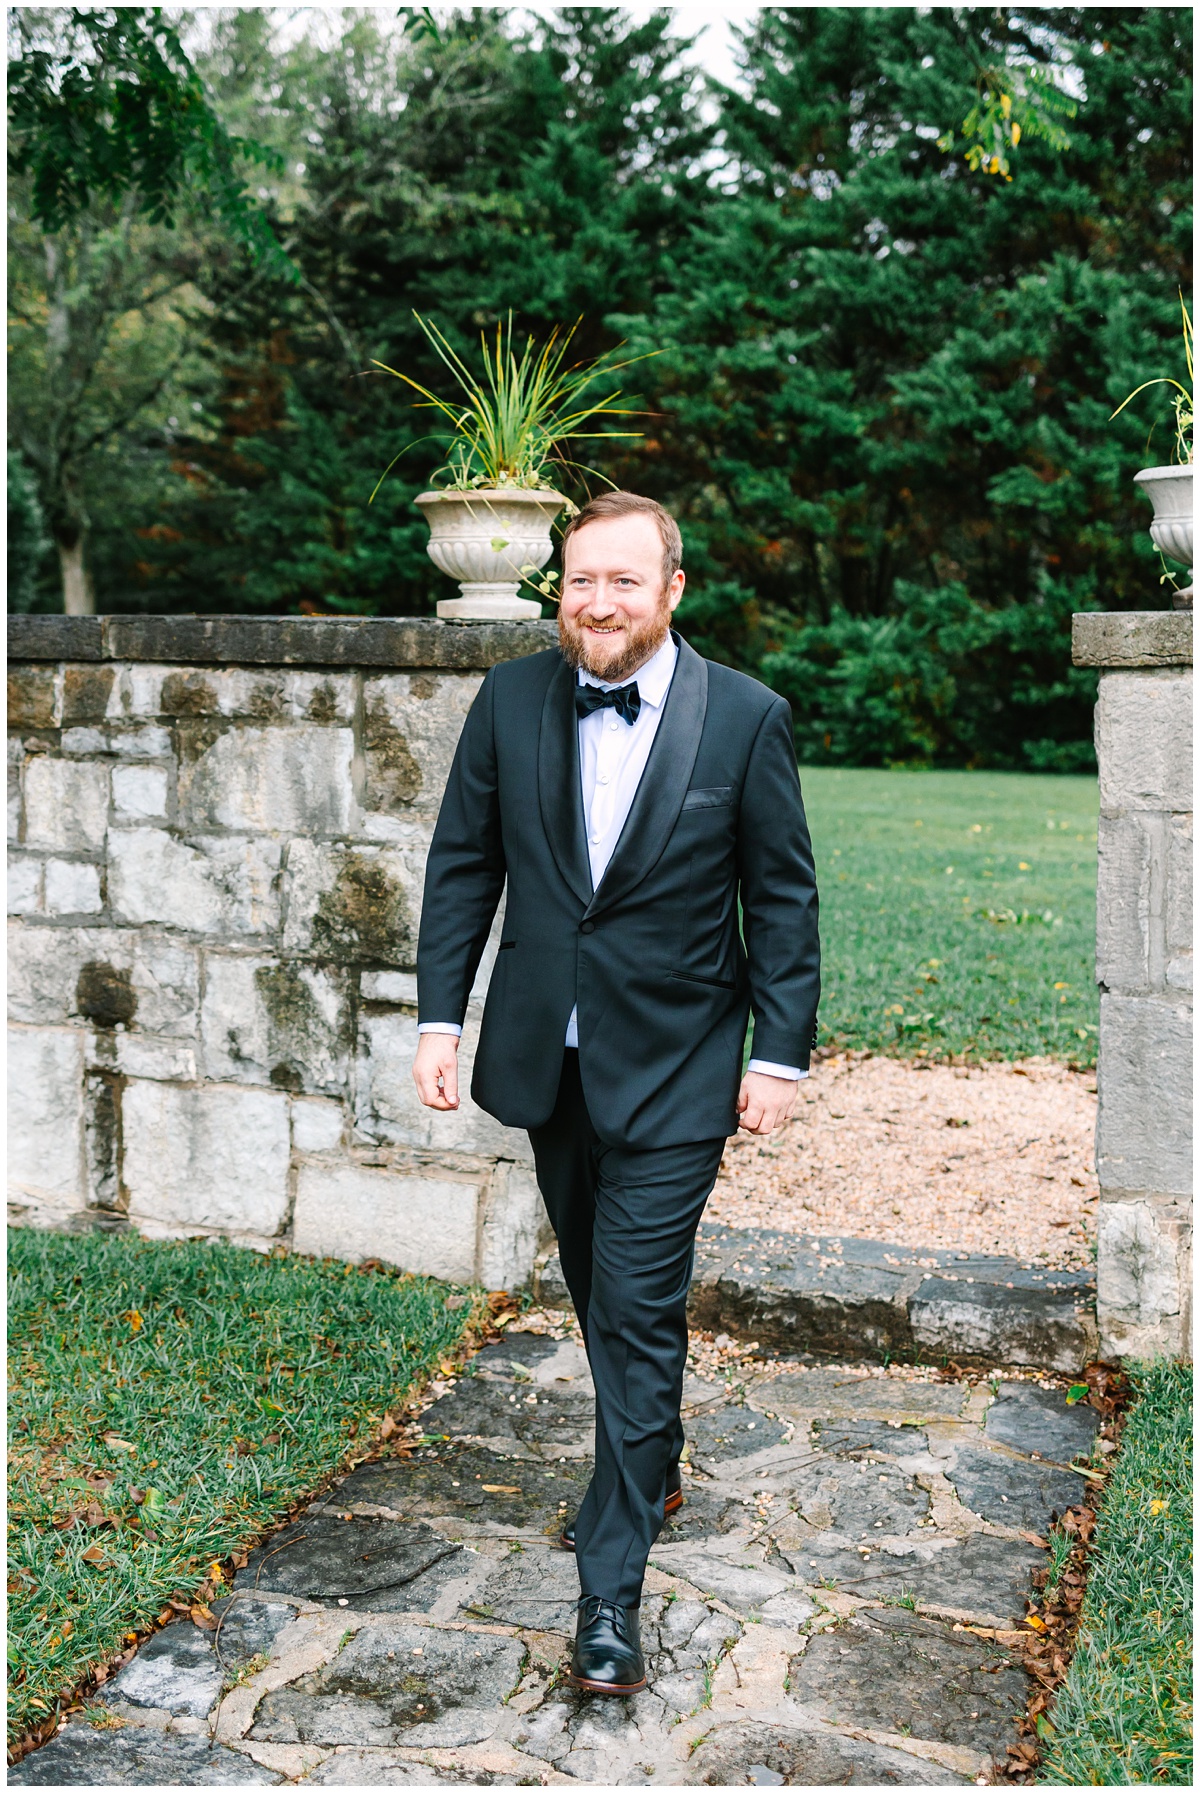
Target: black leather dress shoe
(607, 1657)
(671, 1505)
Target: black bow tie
(626, 700)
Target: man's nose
(602, 604)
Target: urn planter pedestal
(487, 540)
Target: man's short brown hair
(628, 504)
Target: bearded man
(642, 806)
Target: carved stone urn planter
(1170, 491)
(486, 539)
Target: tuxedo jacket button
(587, 927)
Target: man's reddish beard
(642, 640)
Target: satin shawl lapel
(655, 809)
(560, 793)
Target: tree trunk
(78, 597)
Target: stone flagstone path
(834, 1604)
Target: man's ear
(675, 588)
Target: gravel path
(992, 1158)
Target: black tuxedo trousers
(626, 1219)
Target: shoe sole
(672, 1505)
(583, 1686)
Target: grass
(958, 912)
(1123, 1715)
(169, 1401)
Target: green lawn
(1123, 1715)
(958, 911)
(167, 1402)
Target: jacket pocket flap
(715, 798)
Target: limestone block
(1126, 851)
(109, 976)
(266, 1020)
(211, 1157)
(387, 1107)
(24, 886)
(147, 1055)
(1144, 739)
(72, 887)
(139, 793)
(45, 1116)
(207, 885)
(284, 695)
(389, 986)
(66, 804)
(1179, 902)
(80, 741)
(293, 780)
(317, 1126)
(15, 811)
(1142, 1277)
(413, 721)
(1144, 1127)
(34, 697)
(512, 1223)
(141, 689)
(149, 743)
(87, 692)
(353, 904)
(426, 1224)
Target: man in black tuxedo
(643, 808)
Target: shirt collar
(653, 679)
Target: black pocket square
(715, 798)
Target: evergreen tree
(892, 375)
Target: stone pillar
(1144, 970)
(217, 840)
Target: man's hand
(435, 1070)
(764, 1103)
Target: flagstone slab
(821, 1393)
(82, 1756)
(891, 1670)
(372, 1564)
(381, 1768)
(393, 1683)
(985, 1579)
(743, 1585)
(506, 1402)
(764, 1755)
(1038, 1421)
(536, 1588)
(465, 1482)
(1011, 1491)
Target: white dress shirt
(612, 759)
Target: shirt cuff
(439, 1027)
(791, 1072)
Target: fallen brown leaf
(498, 1488)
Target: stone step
(858, 1298)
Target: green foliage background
(880, 405)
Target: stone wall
(218, 831)
(1144, 969)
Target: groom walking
(643, 808)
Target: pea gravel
(994, 1158)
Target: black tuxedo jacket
(654, 957)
